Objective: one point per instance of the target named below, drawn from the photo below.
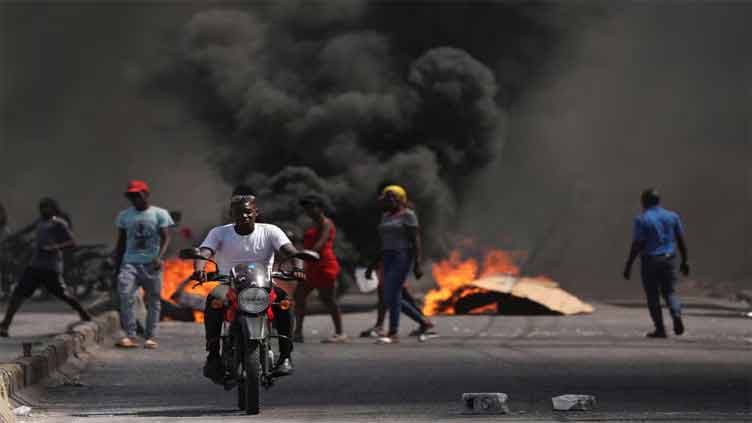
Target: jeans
(659, 279)
(397, 265)
(131, 277)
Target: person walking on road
(320, 275)
(143, 238)
(53, 234)
(400, 250)
(425, 326)
(656, 234)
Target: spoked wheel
(248, 390)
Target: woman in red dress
(320, 275)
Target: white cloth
(231, 249)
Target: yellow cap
(396, 190)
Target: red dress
(323, 273)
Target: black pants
(213, 318)
(659, 278)
(32, 278)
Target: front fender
(253, 327)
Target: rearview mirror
(191, 253)
(307, 255)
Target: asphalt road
(704, 376)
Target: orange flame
(175, 273)
(454, 274)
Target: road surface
(705, 375)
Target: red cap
(137, 186)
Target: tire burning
(467, 287)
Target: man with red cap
(143, 238)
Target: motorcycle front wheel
(248, 390)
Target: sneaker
(213, 368)
(336, 339)
(678, 326)
(394, 339)
(4, 331)
(284, 367)
(656, 334)
(151, 344)
(427, 327)
(429, 334)
(125, 343)
(375, 332)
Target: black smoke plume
(336, 97)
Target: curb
(26, 371)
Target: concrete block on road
(485, 403)
(573, 402)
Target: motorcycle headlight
(253, 300)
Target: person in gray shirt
(400, 251)
(53, 234)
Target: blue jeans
(131, 277)
(397, 265)
(659, 279)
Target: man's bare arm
(288, 250)
(120, 247)
(634, 251)
(68, 241)
(684, 266)
(164, 241)
(199, 265)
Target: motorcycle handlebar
(218, 277)
(211, 277)
(285, 276)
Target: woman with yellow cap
(400, 249)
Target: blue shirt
(657, 228)
(142, 229)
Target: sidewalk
(37, 322)
(55, 333)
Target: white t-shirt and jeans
(230, 249)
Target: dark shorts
(33, 277)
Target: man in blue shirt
(657, 233)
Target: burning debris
(180, 292)
(465, 287)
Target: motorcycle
(246, 349)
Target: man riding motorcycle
(237, 243)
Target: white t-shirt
(231, 249)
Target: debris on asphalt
(572, 402)
(485, 403)
(22, 411)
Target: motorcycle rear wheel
(248, 391)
